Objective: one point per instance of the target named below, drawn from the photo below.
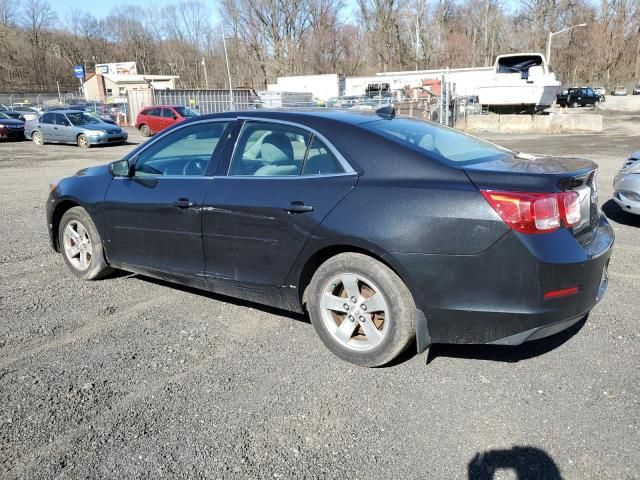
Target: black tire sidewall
(401, 308)
(98, 266)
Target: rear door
(154, 218)
(46, 125)
(258, 214)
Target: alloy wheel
(354, 311)
(77, 245)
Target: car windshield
(82, 118)
(442, 142)
(186, 111)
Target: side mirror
(121, 168)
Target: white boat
(521, 82)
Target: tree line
(270, 38)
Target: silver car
(73, 126)
(626, 185)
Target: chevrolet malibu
(75, 127)
(388, 231)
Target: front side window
(443, 143)
(184, 152)
(270, 149)
(168, 113)
(186, 112)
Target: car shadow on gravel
(527, 463)
(496, 353)
(614, 212)
(508, 354)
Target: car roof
(302, 115)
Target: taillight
(532, 212)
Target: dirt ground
(134, 378)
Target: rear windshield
(442, 143)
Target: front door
(154, 218)
(281, 184)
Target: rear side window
(440, 142)
(60, 119)
(154, 112)
(320, 160)
(270, 149)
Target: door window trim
(348, 169)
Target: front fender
(87, 189)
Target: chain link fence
(445, 108)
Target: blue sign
(78, 71)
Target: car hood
(12, 122)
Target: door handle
(184, 203)
(55, 128)
(298, 207)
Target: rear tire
(362, 311)
(37, 138)
(81, 245)
(145, 131)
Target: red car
(154, 119)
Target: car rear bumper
(498, 296)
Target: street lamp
(551, 34)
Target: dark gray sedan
(73, 126)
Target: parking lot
(130, 377)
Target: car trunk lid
(528, 173)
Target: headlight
(97, 132)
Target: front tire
(361, 310)
(81, 245)
(83, 141)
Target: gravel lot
(133, 378)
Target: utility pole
(206, 77)
(226, 59)
(551, 34)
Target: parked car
(101, 111)
(578, 97)
(11, 128)
(12, 114)
(600, 91)
(473, 243)
(29, 113)
(636, 89)
(152, 120)
(619, 91)
(73, 126)
(626, 185)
